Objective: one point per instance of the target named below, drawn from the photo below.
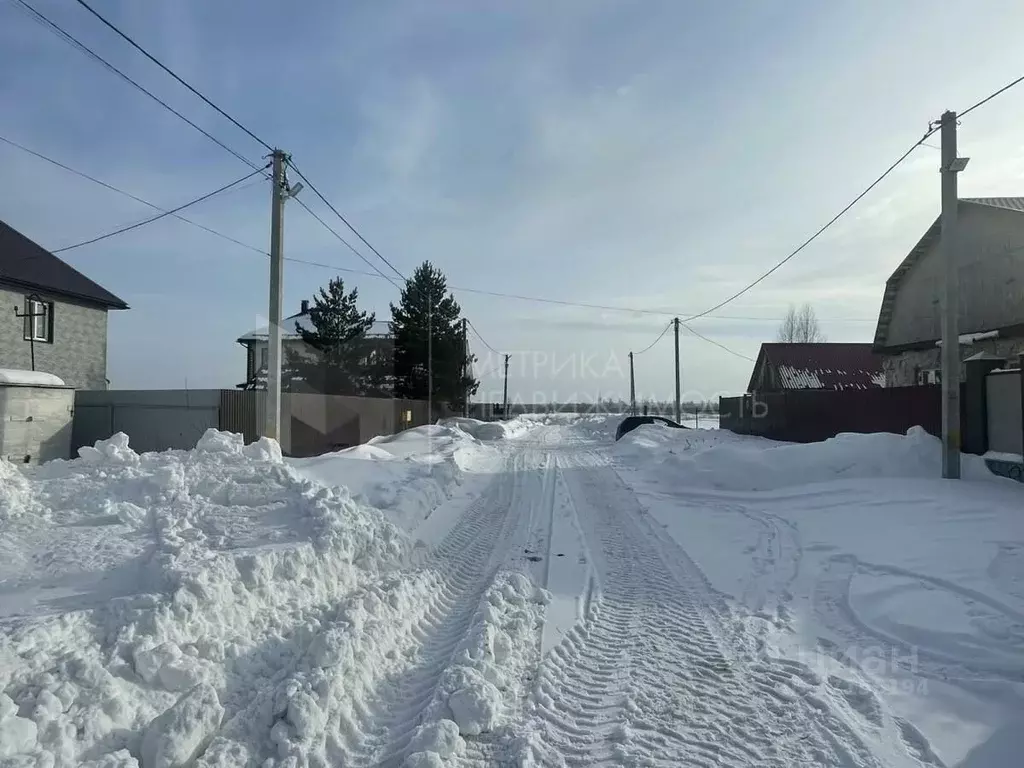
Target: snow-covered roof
(20, 378)
(379, 328)
(820, 366)
(970, 338)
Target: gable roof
(930, 237)
(379, 328)
(820, 366)
(26, 264)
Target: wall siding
(78, 353)
(901, 370)
(990, 253)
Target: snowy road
(636, 660)
(523, 594)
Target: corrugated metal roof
(1008, 203)
(379, 328)
(28, 265)
(820, 366)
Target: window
(264, 353)
(38, 320)
(929, 376)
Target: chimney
(304, 306)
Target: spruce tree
(337, 359)
(426, 328)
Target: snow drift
(723, 460)
(410, 474)
(149, 599)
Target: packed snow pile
(410, 474)
(721, 459)
(150, 599)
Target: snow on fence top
(16, 377)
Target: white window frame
(39, 320)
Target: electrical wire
(63, 34)
(347, 244)
(479, 336)
(651, 345)
(159, 216)
(171, 72)
(991, 96)
(932, 128)
(343, 219)
(717, 344)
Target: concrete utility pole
(465, 369)
(272, 428)
(679, 412)
(632, 387)
(951, 165)
(504, 411)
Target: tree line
(424, 355)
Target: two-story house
(989, 252)
(52, 314)
(256, 343)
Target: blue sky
(656, 155)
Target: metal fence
(157, 420)
(806, 416)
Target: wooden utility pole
(679, 413)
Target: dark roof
(930, 237)
(820, 366)
(28, 265)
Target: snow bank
(18, 377)
(721, 459)
(148, 599)
(480, 691)
(410, 474)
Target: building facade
(52, 317)
(990, 268)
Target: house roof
(27, 265)
(379, 328)
(821, 366)
(930, 237)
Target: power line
(151, 219)
(376, 273)
(818, 233)
(717, 344)
(63, 34)
(932, 128)
(482, 339)
(347, 244)
(991, 96)
(343, 219)
(171, 72)
(130, 196)
(651, 345)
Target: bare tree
(800, 326)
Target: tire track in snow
(466, 556)
(649, 676)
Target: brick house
(67, 326)
(990, 264)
